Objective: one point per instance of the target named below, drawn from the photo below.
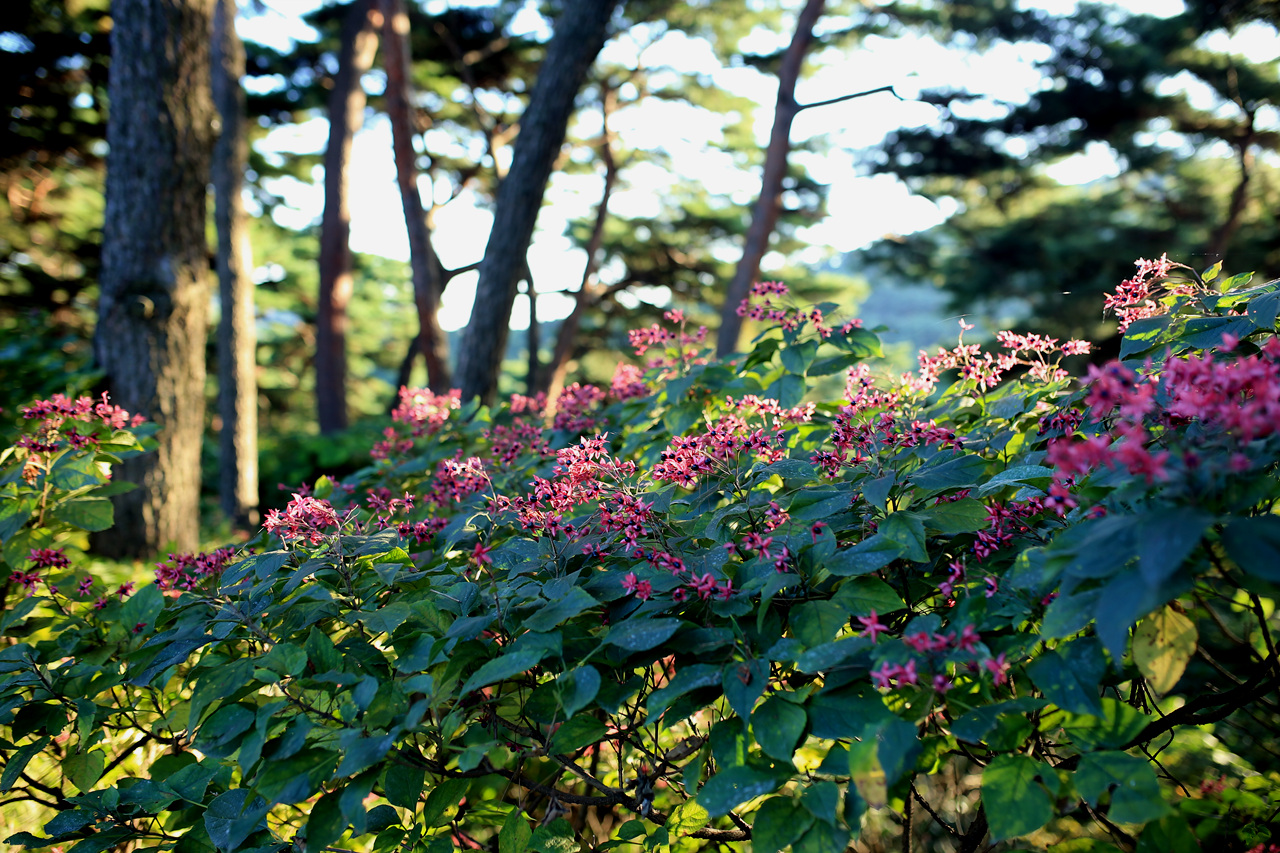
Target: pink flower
(941, 683)
(480, 554)
(872, 626)
(969, 639)
(642, 590)
(999, 668)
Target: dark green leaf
(1131, 781)
(576, 733)
(232, 817)
(906, 530)
(778, 823)
(402, 785)
(639, 634)
(515, 833)
(778, 725)
(733, 786)
(1015, 799)
(509, 665)
(687, 678)
(325, 823)
(1070, 676)
(871, 554)
(962, 516)
(578, 688)
(1254, 545)
(92, 514)
(553, 613)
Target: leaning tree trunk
(152, 314)
(428, 276)
(579, 35)
(764, 216)
(237, 339)
(346, 115)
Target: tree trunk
(153, 309)
(579, 35)
(764, 216)
(346, 115)
(237, 339)
(427, 272)
(533, 340)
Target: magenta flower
(872, 626)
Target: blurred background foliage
(1186, 129)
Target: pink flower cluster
(304, 519)
(186, 571)
(422, 413)
(1134, 299)
(509, 443)
(1004, 522)
(1042, 356)
(577, 408)
(928, 662)
(628, 382)
(53, 432)
(688, 457)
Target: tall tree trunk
(1226, 232)
(346, 115)
(533, 340)
(579, 35)
(153, 309)
(764, 216)
(237, 338)
(428, 275)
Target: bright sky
(862, 209)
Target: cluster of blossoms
(1134, 299)
(702, 586)
(64, 423)
(760, 305)
(657, 337)
(186, 571)
(1236, 399)
(753, 425)
(577, 408)
(628, 382)
(584, 473)
(303, 519)
(509, 443)
(764, 547)
(1004, 522)
(421, 413)
(928, 662)
(1041, 356)
(859, 437)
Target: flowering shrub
(975, 603)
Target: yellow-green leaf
(1162, 645)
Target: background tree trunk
(764, 216)
(237, 338)
(150, 339)
(346, 115)
(579, 35)
(428, 275)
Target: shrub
(699, 608)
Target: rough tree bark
(346, 115)
(764, 216)
(237, 338)
(153, 309)
(579, 35)
(428, 275)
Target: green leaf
(816, 622)
(578, 688)
(640, 634)
(797, 357)
(952, 472)
(18, 762)
(552, 614)
(576, 733)
(515, 833)
(1165, 540)
(1016, 475)
(859, 596)
(509, 665)
(866, 771)
(906, 530)
(687, 678)
(1163, 645)
(324, 656)
(1135, 791)
(1254, 545)
(402, 785)
(870, 555)
(229, 821)
(1170, 834)
(84, 769)
(687, 817)
(1070, 676)
(1118, 724)
(733, 786)
(876, 492)
(788, 390)
(778, 725)
(74, 471)
(744, 683)
(92, 514)
(822, 838)
(1144, 334)
(325, 823)
(778, 823)
(974, 726)
(443, 797)
(962, 516)
(1015, 799)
